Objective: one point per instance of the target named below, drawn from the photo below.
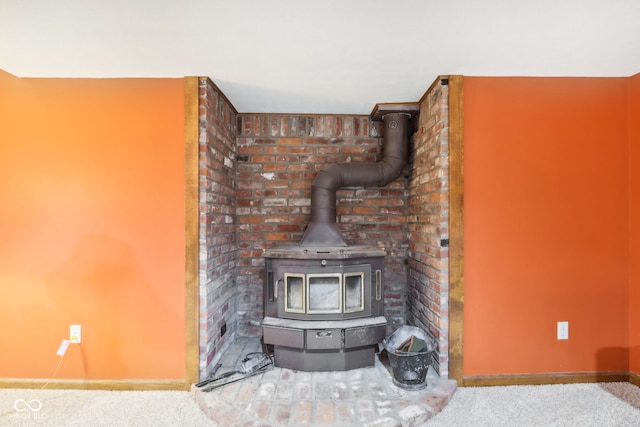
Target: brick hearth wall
(218, 247)
(278, 158)
(256, 172)
(428, 216)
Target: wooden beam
(192, 225)
(456, 228)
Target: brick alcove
(254, 179)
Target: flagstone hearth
(285, 397)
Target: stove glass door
(324, 293)
(353, 292)
(294, 293)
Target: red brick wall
(218, 248)
(428, 216)
(278, 158)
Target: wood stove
(324, 306)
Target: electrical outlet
(75, 334)
(563, 330)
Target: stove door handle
(275, 289)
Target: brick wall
(428, 215)
(278, 158)
(256, 172)
(218, 247)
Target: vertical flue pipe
(322, 230)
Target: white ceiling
(321, 56)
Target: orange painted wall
(92, 227)
(634, 223)
(546, 225)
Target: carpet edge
(119, 385)
(540, 379)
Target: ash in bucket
(409, 349)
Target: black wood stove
(324, 308)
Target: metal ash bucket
(409, 349)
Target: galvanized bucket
(409, 368)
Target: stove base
(337, 345)
(324, 360)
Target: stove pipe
(322, 230)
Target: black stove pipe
(323, 231)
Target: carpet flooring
(608, 404)
(565, 405)
(99, 408)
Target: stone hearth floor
(284, 397)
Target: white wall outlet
(563, 330)
(75, 334)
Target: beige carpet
(92, 408)
(610, 404)
(579, 405)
